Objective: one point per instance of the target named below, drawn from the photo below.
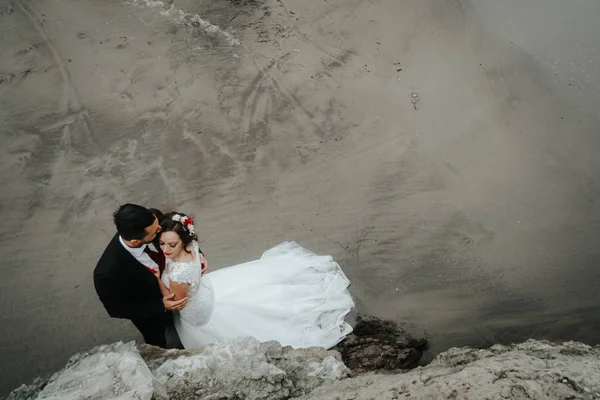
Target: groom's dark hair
(132, 220)
(156, 212)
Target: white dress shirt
(138, 254)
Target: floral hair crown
(187, 222)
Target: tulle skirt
(290, 295)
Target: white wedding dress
(290, 295)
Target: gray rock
(531, 370)
(242, 368)
(115, 372)
(245, 368)
(28, 392)
(109, 372)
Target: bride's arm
(180, 289)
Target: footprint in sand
(415, 99)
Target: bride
(290, 294)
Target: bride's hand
(204, 264)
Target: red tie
(158, 258)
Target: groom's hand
(174, 305)
(204, 263)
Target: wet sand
(451, 172)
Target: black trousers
(153, 329)
(159, 331)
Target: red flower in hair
(188, 221)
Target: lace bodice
(200, 292)
(186, 272)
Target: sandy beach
(447, 160)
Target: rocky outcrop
(531, 370)
(378, 345)
(247, 369)
(113, 371)
(242, 368)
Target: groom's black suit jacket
(125, 287)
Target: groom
(124, 278)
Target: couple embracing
(154, 274)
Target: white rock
(111, 372)
(534, 370)
(245, 368)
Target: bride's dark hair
(168, 224)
